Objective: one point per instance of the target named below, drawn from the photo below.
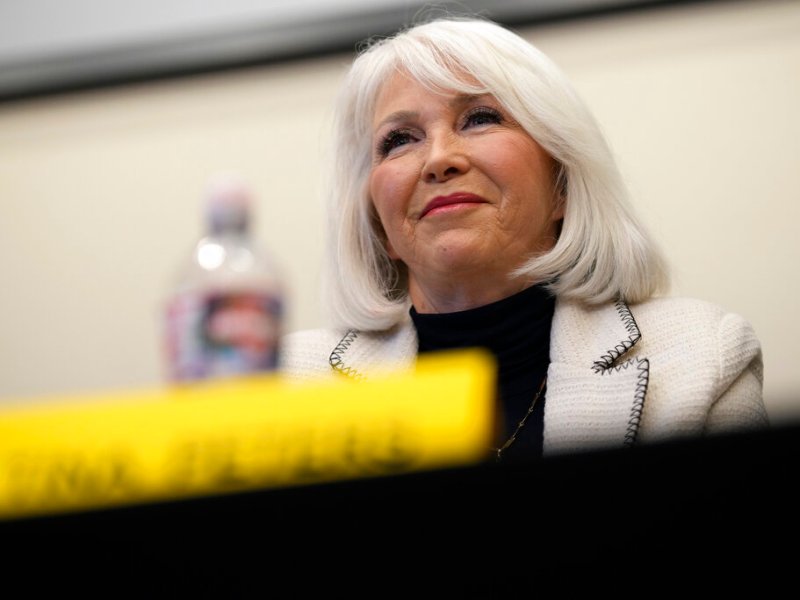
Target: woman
(474, 202)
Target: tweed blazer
(619, 375)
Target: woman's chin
(460, 256)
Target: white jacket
(618, 374)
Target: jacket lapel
(595, 389)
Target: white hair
(602, 252)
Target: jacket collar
(595, 388)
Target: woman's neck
(458, 294)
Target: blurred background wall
(100, 189)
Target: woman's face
(462, 191)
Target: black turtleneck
(516, 330)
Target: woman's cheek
(376, 190)
(389, 192)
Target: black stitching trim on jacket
(336, 358)
(643, 366)
(606, 361)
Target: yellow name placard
(242, 434)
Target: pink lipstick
(441, 202)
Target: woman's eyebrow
(464, 99)
(458, 101)
(399, 116)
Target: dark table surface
(714, 514)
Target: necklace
(521, 424)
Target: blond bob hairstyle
(602, 253)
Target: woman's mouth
(450, 202)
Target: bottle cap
(229, 203)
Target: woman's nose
(446, 158)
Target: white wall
(99, 192)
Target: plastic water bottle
(224, 314)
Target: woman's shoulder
(672, 305)
(668, 324)
(704, 359)
(305, 353)
(319, 352)
(686, 335)
(696, 325)
(694, 318)
(310, 339)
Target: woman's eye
(482, 116)
(392, 140)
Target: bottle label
(222, 334)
